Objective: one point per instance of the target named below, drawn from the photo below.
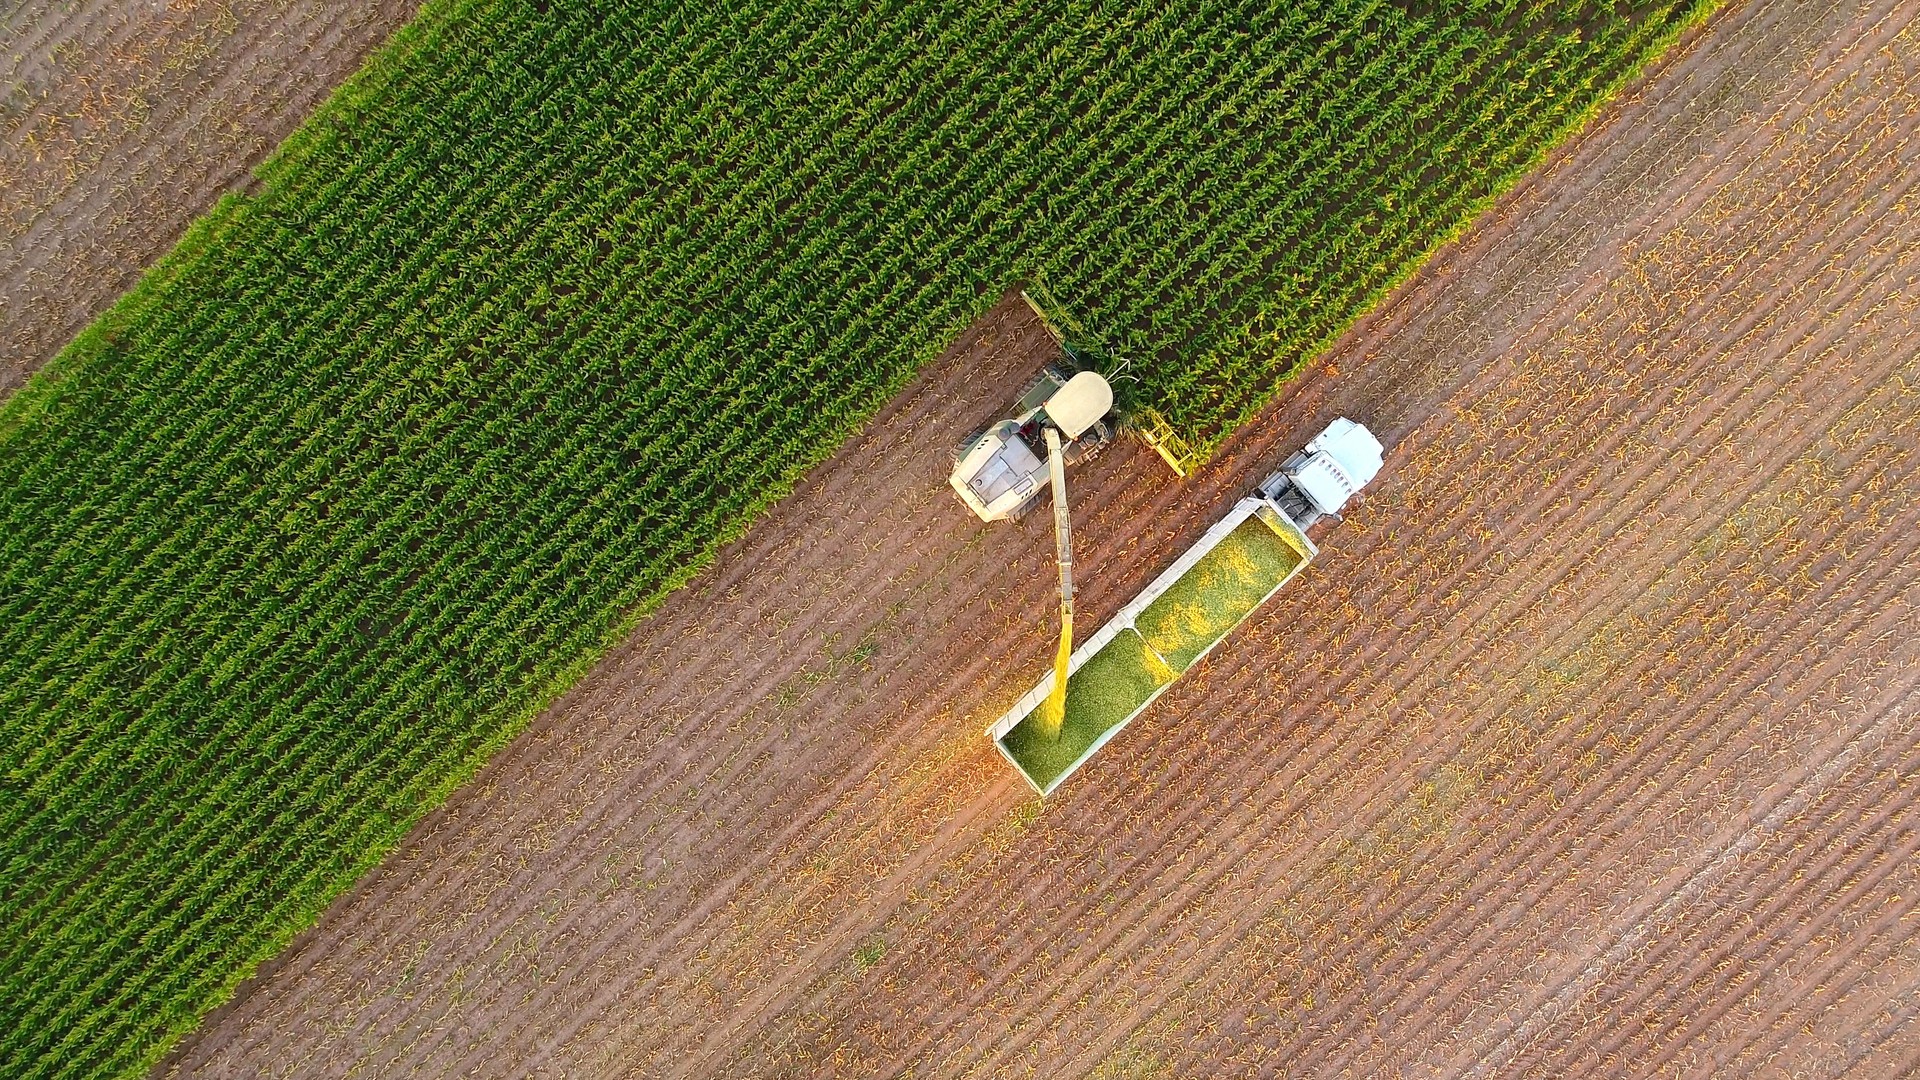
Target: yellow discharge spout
(1054, 711)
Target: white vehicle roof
(1354, 447)
(1340, 461)
(1003, 470)
(997, 474)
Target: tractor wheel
(960, 448)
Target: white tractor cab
(1000, 472)
(1318, 480)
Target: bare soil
(123, 120)
(1591, 745)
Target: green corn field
(546, 304)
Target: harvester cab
(1000, 472)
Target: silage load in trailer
(1178, 618)
(1113, 685)
(1218, 593)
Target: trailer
(1183, 614)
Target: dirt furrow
(1775, 930)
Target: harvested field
(1589, 746)
(122, 122)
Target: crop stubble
(1590, 745)
(122, 122)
